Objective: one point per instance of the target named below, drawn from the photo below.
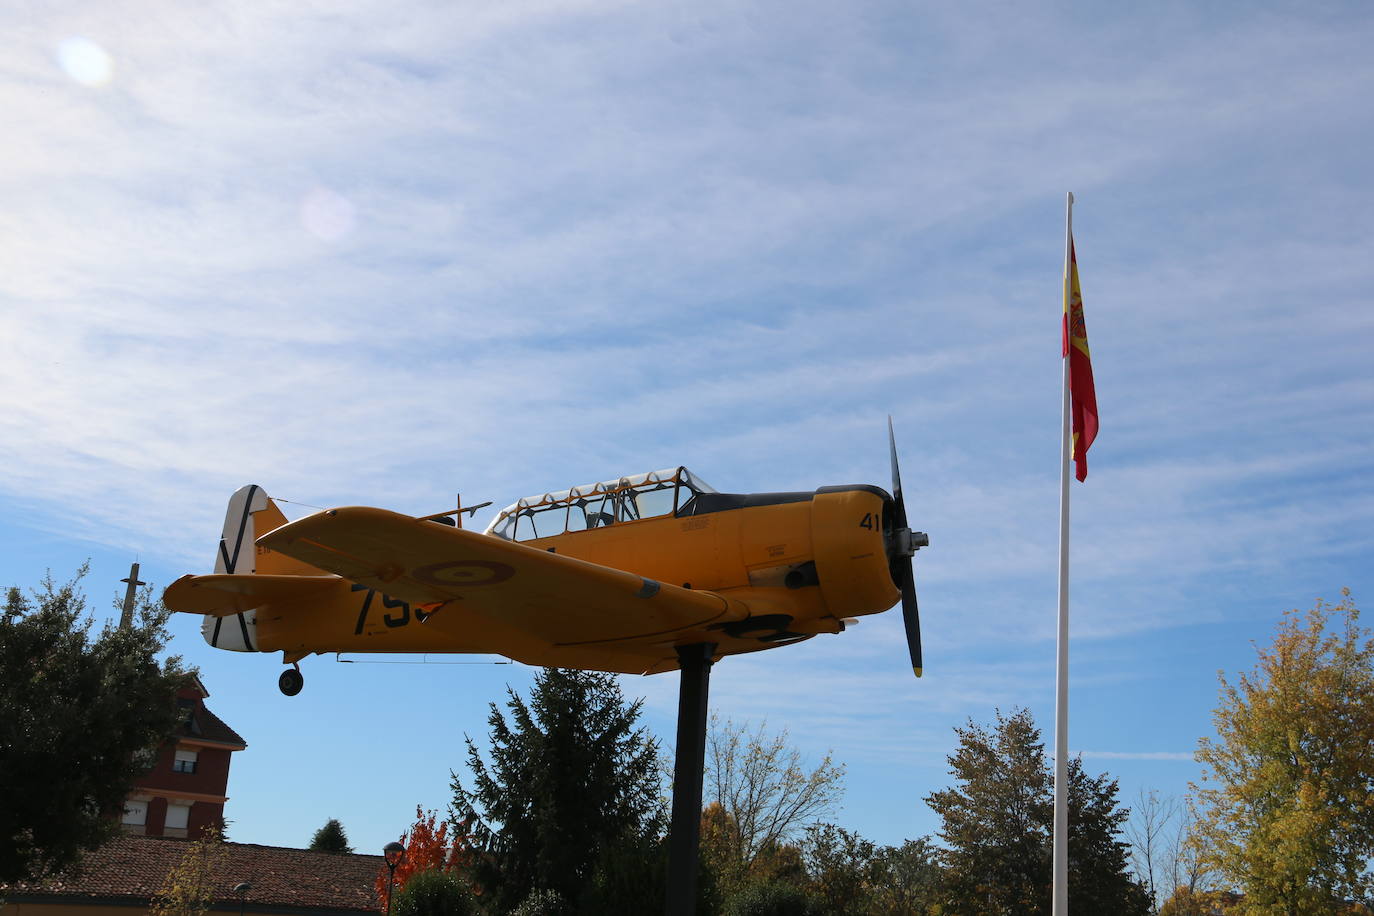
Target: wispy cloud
(1136, 755)
(503, 248)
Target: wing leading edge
(531, 605)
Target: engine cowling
(850, 551)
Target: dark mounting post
(126, 619)
(684, 834)
(243, 887)
(394, 853)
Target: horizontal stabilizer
(222, 595)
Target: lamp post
(242, 889)
(395, 854)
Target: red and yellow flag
(1082, 394)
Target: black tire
(291, 682)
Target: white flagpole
(1061, 708)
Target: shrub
(434, 893)
(541, 902)
(772, 898)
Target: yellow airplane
(611, 576)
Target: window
(135, 813)
(177, 818)
(185, 762)
(656, 501)
(188, 715)
(543, 522)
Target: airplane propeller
(902, 546)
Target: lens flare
(327, 214)
(85, 61)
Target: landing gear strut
(291, 680)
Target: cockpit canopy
(597, 505)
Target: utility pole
(126, 619)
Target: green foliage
(542, 902)
(627, 873)
(330, 838)
(1287, 802)
(434, 893)
(848, 875)
(841, 868)
(78, 710)
(570, 778)
(998, 829)
(189, 887)
(906, 879)
(771, 898)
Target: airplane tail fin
(251, 513)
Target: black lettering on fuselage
(391, 622)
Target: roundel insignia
(463, 573)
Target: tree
(189, 887)
(1149, 832)
(772, 898)
(570, 777)
(78, 710)
(330, 838)
(1186, 901)
(428, 847)
(1287, 802)
(435, 892)
(906, 879)
(841, 867)
(1185, 857)
(761, 785)
(998, 822)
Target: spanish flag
(1082, 394)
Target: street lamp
(242, 889)
(395, 854)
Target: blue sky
(360, 254)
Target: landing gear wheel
(291, 682)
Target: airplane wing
(522, 602)
(223, 595)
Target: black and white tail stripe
(236, 555)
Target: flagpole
(1061, 709)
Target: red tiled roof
(212, 728)
(133, 867)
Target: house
(186, 786)
(122, 877)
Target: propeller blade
(911, 614)
(899, 503)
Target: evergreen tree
(79, 712)
(998, 826)
(330, 838)
(570, 778)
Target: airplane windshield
(597, 505)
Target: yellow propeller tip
(918, 671)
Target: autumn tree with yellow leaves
(189, 888)
(1287, 800)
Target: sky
(363, 254)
